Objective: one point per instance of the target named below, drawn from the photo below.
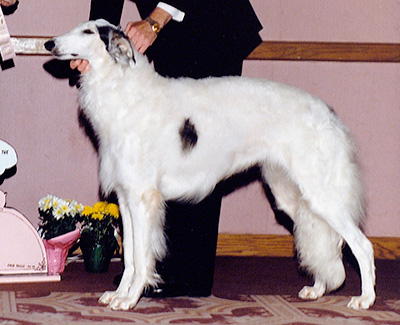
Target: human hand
(81, 65)
(7, 3)
(141, 34)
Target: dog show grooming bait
(6, 49)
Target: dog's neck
(104, 76)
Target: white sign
(8, 157)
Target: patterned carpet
(246, 290)
(75, 307)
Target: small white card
(8, 157)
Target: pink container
(57, 251)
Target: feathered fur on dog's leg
(363, 251)
(342, 206)
(318, 245)
(320, 253)
(128, 274)
(149, 245)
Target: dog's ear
(120, 48)
(105, 34)
(117, 44)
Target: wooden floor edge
(282, 246)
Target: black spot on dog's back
(188, 135)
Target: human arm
(141, 32)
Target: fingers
(81, 65)
(7, 3)
(141, 35)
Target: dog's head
(93, 40)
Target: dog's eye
(88, 31)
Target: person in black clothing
(8, 3)
(196, 39)
(9, 6)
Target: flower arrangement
(57, 216)
(100, 221)
(99, 235)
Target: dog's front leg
(128, 275)
(148, 244)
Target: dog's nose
(49, 45)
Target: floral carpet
(246, 290)
(75, 307)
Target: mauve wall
(39, 113)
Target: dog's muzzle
(52, 48)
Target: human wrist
(160, 16)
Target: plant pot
(97, 258)
(97, 255)
(57, 251)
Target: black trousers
(192, 233)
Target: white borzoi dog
(162, 139)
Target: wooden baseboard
(282, 246)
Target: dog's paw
(107, 297)
(361, 302)
(311, 293)
(122, 303)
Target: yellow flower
(100, 206)
(87, 210)
(97, 215)
(112, 209)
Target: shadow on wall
(61, 70)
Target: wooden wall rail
(270, 50)
(318, 51)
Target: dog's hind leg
(340, 203)
(319, 247)
(148, 245)
(319, 250)
(286, 193)
(363, 251)
(342, 215)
